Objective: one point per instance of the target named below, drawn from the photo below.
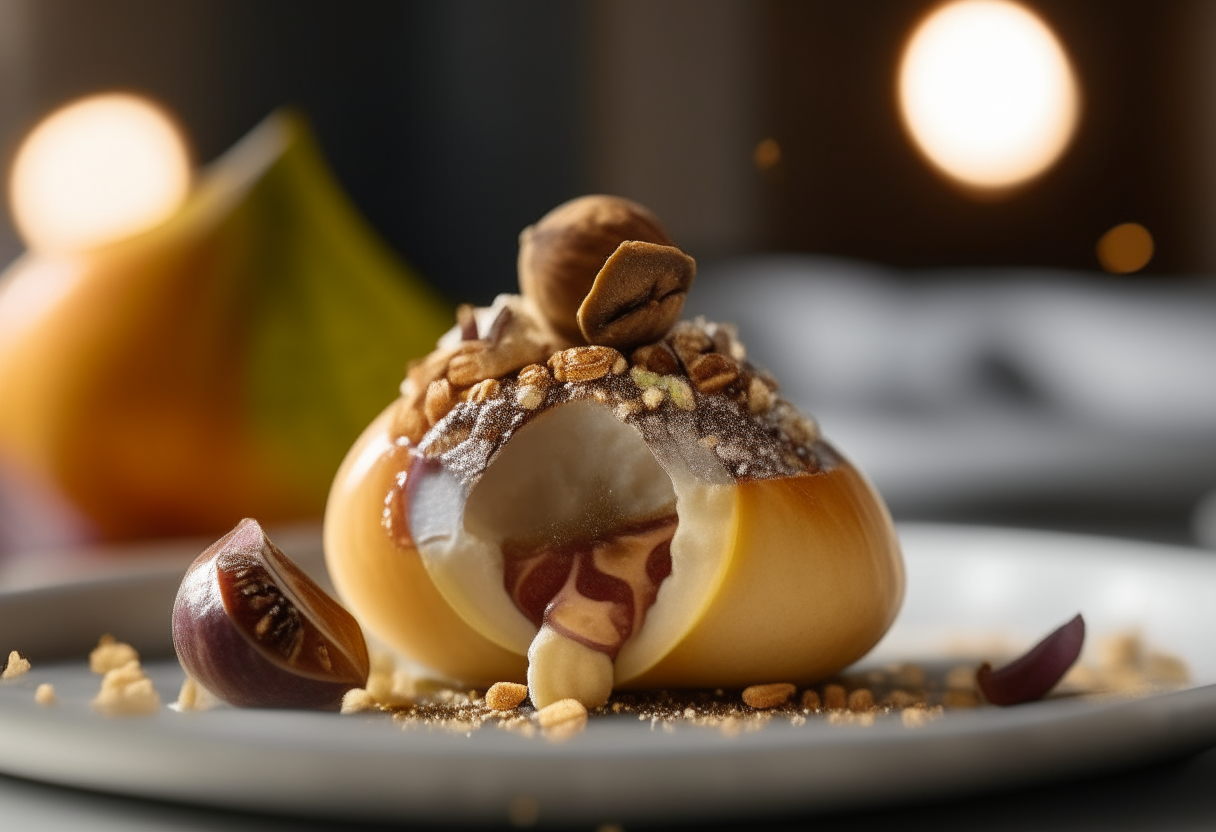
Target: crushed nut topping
(464, 402)
(535, 375)
(440, 399)
(481, 391)
(712, 372)
(657, 358)
(583, 363)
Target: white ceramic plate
(964, 584)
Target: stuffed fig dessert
(579, 489)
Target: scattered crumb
(110, 654)
(45, 694)
(357, 700)
(908, 675)
(915, 694)
(861, 699)
(194, 697)
(961, 677)
(862, 718)
(835, 698)
(18, 665)
(763, 697)
(1162, 668)
(388, 685)
(960, 699)
(919, 717)
(126, 691)
(562, 719)
(506, 696)
(900, 698)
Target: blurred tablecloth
(1089, 401)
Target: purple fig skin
(1031, 676)
(219, 647)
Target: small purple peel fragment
(1030, 676)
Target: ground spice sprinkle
(914, 695)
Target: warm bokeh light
(1126, 248)
(98, 170)
(767, 154)
(987, 92)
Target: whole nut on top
(560, 256)
(637, 296)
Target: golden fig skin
(815, 579)
(828, 588)
(384, 582)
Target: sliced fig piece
(1031, 676)
(253, 629)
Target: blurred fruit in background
(210, 363)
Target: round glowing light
(767, 154)
(988, 93)
(1126, 248)
(98, 170)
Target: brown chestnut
(253, 629)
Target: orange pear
(219, 365)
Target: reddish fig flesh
(257, 632)
(1030, 676)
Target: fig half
(254, 630)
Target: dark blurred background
(455, 124)
(751, 128)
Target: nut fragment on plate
(562, 719)
(17, 665)
(358, 700)
(762, 697)
(568, 524)
(110, 654)
(506, 696)
(194, 697)
(126, 691)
